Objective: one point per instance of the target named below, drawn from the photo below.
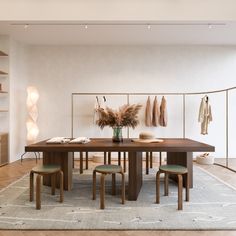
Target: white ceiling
(165, 33)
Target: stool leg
(147, 163)
(61, 186)
(102, 192)
(109, 158)
(180, 190)
(124, 161)
(119, 157)
(166, 186)
(31, 186)
(86, 160)
(53, 183)
(151, 160)
(158, 187)
(123, 188)
(105, 158)
(187, 187)
(38, 192)
(81, 163)
(94, 185)
(113, 184)
(160, 160)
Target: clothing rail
(183, 94)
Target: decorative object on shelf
(163, 112)
(205, 115)
(148, 113)
(205, 159)
(3, 54)
(2, 72)
(125, 116)
(31, 124)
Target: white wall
(59, 71)
(18, 82)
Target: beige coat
(205, 115)
(155, 113)
(148, 113)
(163, 112)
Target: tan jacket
(148, 113)
(163, 112)
(155, 113)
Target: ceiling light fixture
(149, 26)
(209, 26)
(26, 26)
(86, 26)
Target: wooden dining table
(179, 151)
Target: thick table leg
(135, 175)
(64, 159)
(183, 159)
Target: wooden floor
(16, 170)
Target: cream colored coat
(205, 115)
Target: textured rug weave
(212, 206)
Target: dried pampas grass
(126, 116)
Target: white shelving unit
(4, 107)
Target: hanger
(98, 101)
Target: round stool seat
(108, 169)
(46, 169)
(173, 169)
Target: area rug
(212, 206)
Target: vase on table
(117, 134)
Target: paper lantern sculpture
(31, 124)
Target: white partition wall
(232, 129)
(216, 129)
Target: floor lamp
(31, 123)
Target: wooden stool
(173, 170)
(42, 170)
(104, 170)
(119, 159)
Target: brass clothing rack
(184, 95)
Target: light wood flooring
(16, 170)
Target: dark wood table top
(105, 144)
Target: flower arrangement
(125, 116)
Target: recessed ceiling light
(209, 26)
(86, 27)
(149, 26)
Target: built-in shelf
(3, 73)
(1, 91)
(3, 110)
(3, 54)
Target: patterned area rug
(212, 206)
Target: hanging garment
(155, 113)
(163, 113)
(148, 113)
(95, 112)
(205, 115)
